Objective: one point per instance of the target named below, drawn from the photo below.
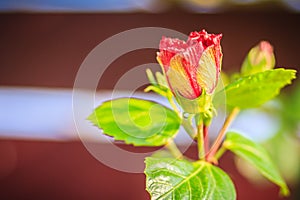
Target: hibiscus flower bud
(260, 58)
(191, 67)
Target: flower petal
(169, 47)
(164, 58)
(207, 72)
(205, 38)
(190, 62)
(180, 80)
(193, 54)
(173, 45)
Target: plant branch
(220, 152)
(174, 149)
(173, 104)
(200, 139)
(218, 141)
(206, 138)
(188, 127)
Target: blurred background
(42, 46)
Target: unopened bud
(260, 58)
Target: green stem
(188, 127)
(219, 153)
(173, 104)
(174, 149)
(200, 139)
(221, 135)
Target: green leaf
(135, 121)
(290, 111)
(257, 156)
(254, 90)
(168, 178)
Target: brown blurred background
(46, 50)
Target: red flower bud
(192, 66)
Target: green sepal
(161, 90)
(202, 104)
(161, 79)
(158, 84)
(151, 77)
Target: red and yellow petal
(207, 72)
(169, 47)
(180, 80)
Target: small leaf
(257, 156)
(135, 121)
(254, 90)
(179, 179)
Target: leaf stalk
(174, 149)
(219, 139)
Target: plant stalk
(206, 138)
(173, 104)
(188, 127)
(174, 149)
(218, 141)
(200, 140)
(220, 152)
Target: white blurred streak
(293, 4)
(46, 114)
(256, 124)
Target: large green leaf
(135, 121)
(257, 156)
(169, 178)
(254, 90)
